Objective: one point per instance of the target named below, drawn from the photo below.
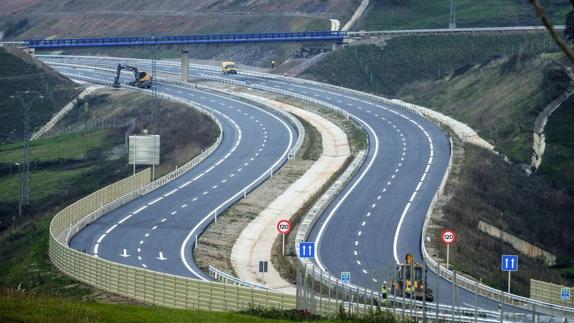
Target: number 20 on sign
(448, 237)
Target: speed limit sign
(448, 236)
(284, 226)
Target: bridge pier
(184, 74)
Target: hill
(21, 73)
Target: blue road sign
(509, 263)
(346, 277)
(307, 249)
(565, 294)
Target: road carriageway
(379, 216)
(158, 231)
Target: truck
(410, 281)
(228, 68)
(142, 80)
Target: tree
(569, 31)
(540, 11)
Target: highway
(158, 231)
(378, 218)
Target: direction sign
(565, 294)
(345, 277)
(448, 236)
(307, 249)
(509, 263)
(284, 226)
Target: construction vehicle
(142, 80)
(228, 68)
(410, 281)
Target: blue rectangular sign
(345, 277)
(565, 294)
(509, 263)
(307, 249)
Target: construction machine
(410, 281)
(142, 80)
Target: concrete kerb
(257, 239)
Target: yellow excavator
(142, 80)
(410, 281)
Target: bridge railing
(191, 39)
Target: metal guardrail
(226, 278)
(442, 31)
(16, 44)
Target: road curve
(379, 216)
(158, 231)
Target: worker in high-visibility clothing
(409, 290)
(384, 291)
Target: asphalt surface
(157, 231)
(378, 218)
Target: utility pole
(452, 21)
(26, 99)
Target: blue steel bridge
(308, 36)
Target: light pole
(20, 96)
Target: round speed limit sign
(448, 236)
(284, 226)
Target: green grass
(28, 308)
(558, 161)
(412, 14)
(73, 145)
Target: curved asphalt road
(378, 217)
(158, 230)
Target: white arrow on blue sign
(509, 263)
(307, 249)
(345, 277)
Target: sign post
(509, 264)
(448, 237)
(284, 227)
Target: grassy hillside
(20, 73)
(500, 100)
(412, 14)
(400, 61)
(484, 187)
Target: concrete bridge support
(184, 74)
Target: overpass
(337, 37)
